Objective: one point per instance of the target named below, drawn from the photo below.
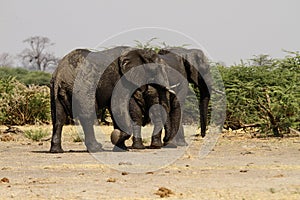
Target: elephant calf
(153, 102)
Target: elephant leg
(168, 143)
(59, 117)
(90, 139)
(118, 137)
(137, 141)
(156, 114)
(179, 139)
(136, 115)
(156, 141)
(157, 118)
(176, 135)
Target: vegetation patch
(36, 135)
(265, 94)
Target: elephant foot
(137, 143)
(93, 147)
(203, 134)
(180, 142)
(169, 145)
(56, 149)
(118, 138)
(120, 148)
(156, 143)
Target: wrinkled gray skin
(143, 106)
(77, 79)
(194, 67)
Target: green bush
(36, 135)
(22, 104)
(264, 96)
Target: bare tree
(36, 57)
(6, 60)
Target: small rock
(111, 180)
(243, 170)
(124, 173)
(278, 176)
(7, 138)
(4, 180)
(125, 163)
(246, 152)
(164, 192)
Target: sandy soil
(239, 167)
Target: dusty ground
(239, 167)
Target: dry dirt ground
(238, 167)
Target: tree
(262, 60)
(36, 56)
(6, 60)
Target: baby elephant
(159, 105)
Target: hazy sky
(229, 30)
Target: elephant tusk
(172, 91)
(171, 87)
(174, 86)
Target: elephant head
(143, 66)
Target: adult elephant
(183, 66)
(84, 81)
(193, 65)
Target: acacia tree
(37, 56)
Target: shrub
(35, 135)
(264, 96)
(22, 104)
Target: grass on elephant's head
(36, 135)
(154, 45)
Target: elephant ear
(196, 65)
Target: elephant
(190, 65)
(84, 81)
(144, 105)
